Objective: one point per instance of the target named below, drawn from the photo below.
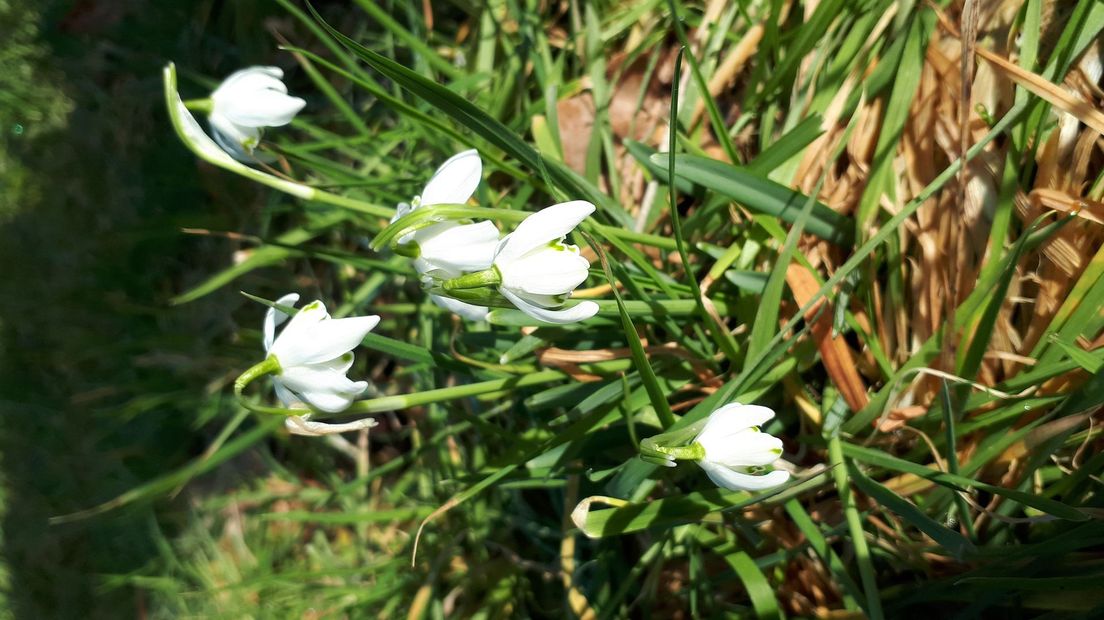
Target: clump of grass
(803, 234)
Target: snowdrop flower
(538, 271)
(245, 103)
(313, 353)
(448, 249)
(737, 454)
(193, 136)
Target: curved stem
(409, 250)
(269, 366)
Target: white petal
(743, 449)
(462, 309)
(455, 181)
(288, 340)
(734, 417)
(320, 378)
(323, 341)
(574, 314)
(242, 84)
(546, 272)
(739, 481)
(290, 400)
(268, 109)
(430, 272)
(322, 387)
(256, 97)
(235, 79)
(265, 108)
(548, 224)
(402, 209)
(236, 140)
(341, 364)
(465, 247)
(330, 402)
(273, 318)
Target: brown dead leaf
(834, 352)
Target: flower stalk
(268, 366)
(660, 454)
(487, 277)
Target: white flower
(538, 270)
(193, 136)
(448, 249)
(314, 352)
(245, 103)
(737, 452)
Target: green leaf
(762, 195)
(759, 590)
(680, 509)
(489, 128)
(961, 483)
(947, 538)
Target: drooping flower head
(538, 270)
(314, 352)
(738, 454)
(246, 102)
(448, 249)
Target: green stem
(351, 203)
(203, 106)
(661, 307)
(487, 277)
(512, 216)
(409, 250)
(269, 366)
(663, 243)
(693, 452)
(854, 524)
(720, 333)
(404, 401)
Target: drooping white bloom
(448, 249)
(538, 270)
(738, 454)
(245, 103)
(193, 136)
(314, 352)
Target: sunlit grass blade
(469, 115)
(763, 195)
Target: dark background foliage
(97, 368)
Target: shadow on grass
(98, 375)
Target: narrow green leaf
(763, 195)
(759, 590)
(469, 115)
(947, 538)
(961, 483)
